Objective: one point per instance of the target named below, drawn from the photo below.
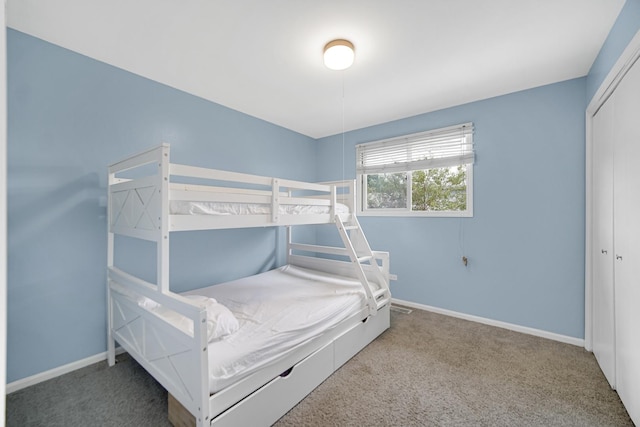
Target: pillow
(220, 320)
(147, 303)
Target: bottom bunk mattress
(276, 311)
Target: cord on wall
(465, 260)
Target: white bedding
(179, 207)
(277, 311)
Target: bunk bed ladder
(363, 258)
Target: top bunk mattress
(181, 207)
(276, 311)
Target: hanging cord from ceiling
(343, 137)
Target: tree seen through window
(437, 189)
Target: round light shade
(339, 54)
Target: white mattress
(179, 207)
(277, 311)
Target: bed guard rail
(140, 206)
(173, 355)
(375, 270)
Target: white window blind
(450, 146)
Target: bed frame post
(163, 232)
(275, 200)
(334, 200)
(353, 202)
(111, 344)
(289, 250)
(200, 334)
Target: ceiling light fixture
(339, 54)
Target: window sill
(430, 214)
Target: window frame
(361, 186)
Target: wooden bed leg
(178, 415)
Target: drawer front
(265, 406)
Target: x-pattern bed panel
(135, 208)
(162, 351)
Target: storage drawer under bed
(271, 401)
(267, 404)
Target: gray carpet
(427, 370)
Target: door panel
(627, 240)
(603, 253)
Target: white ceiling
(264, 58)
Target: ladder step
(381, 303)
(381, 297)
(364, 258)
(351, 227)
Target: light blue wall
(625, 28)
(525, 243)
(69, 117)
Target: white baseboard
(517, 328)
(56, 372)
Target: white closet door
(3, 213)
(627, 240)
(602, 258)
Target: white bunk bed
(269, 374)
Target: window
(422, 174)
